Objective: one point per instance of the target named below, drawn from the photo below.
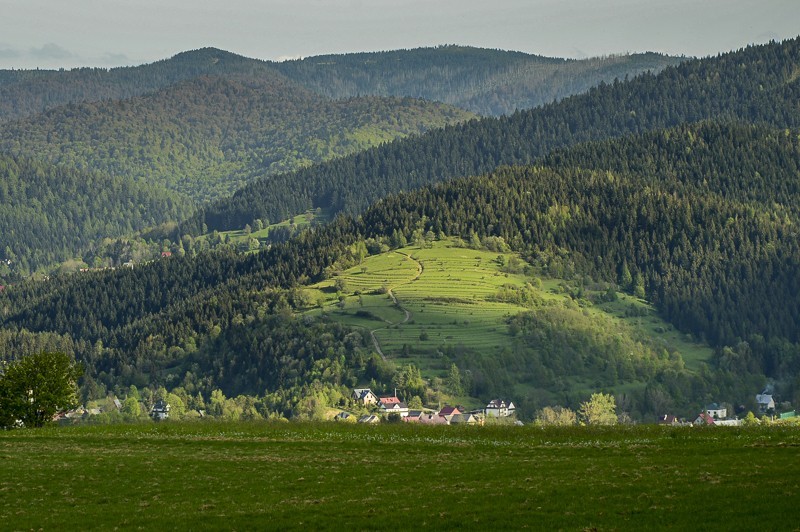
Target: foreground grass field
(402, 477)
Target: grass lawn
(403, 477)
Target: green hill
(29, 92)
(207, 136)
(49, 212)
(479, 80)
(204, 123)
(213, 122)
(515, 334)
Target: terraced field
(418, 303)
(446, 291)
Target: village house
(369, 419)
(716, 411)
(413, 416)
(432, 419)
(448, 411)
(765, 402)
(344, 416)
(160, 411)
(464, 419)
(393, 405)
(668, 419)
(499, 408)
(364, 396)
(704, 419)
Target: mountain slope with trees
(29, 92)
(203, 123)
(486, 82)
(205, 137)
(48, 212)
(479, 80)
(758, 84)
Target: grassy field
(446, 291)
(398, 477)
(301, 221)
(445, 298)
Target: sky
(106, 33)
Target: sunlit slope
(443, 303)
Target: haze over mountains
(679, 187)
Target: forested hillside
(486, 82)
(679, 222)
(204, 123)
(47, 211)
(207, 136)
(758, 84)
(151, 158)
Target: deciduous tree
(600, 409)
(35, 387)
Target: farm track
(420, 270)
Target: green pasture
(642, 316)
(445, 289)
(448, 294)
(261, 476)
(300, 221)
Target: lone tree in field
(600, 409)
(35, 387)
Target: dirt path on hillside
(390, 291)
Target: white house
(392, 405)
(704, 419)
(499, 408)
(716, 411)
(160, 411)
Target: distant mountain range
(487, 82)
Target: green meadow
(418, 302)
(299, 222)
(210, 476)
(447, 292)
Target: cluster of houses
(158, 412)
(712, 414)
(715, 414)
(448, 415)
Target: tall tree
(35, 387)
(600, 409)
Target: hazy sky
(68, 33)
